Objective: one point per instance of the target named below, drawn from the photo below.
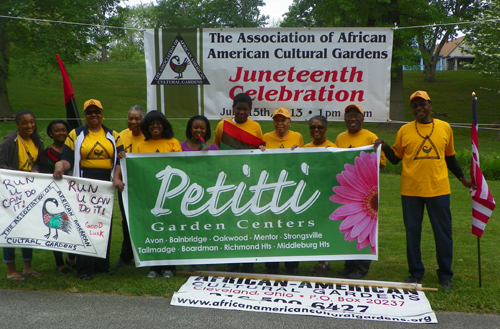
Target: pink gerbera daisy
(358, 192)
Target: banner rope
(72, 23)
(396, 27)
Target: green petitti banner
(252, 206)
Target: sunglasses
(416, 105)
(90, 112)
(316, 127)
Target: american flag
(482, 201)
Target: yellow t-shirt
(130, 141)
(275, 142)
(361, 138)
(325, 144)
(159, 146)
(425, 173)
(249, 126)
(28, 152)
(96, 150)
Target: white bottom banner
(376, 301)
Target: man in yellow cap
(281, 138)
(426, 147)
(354, 136)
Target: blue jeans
(438, 209)
(9, 255)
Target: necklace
(428, 136)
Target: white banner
(309, 71)
(71, 215)
(348, 300)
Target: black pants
(88, 265)
(126, 254)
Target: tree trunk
(430, 71)
(397, 110)
(6, 110)
(104, 53)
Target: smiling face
(134, 119)
(199, 129)
(317, 130)
(353, 120)
(59, 133)
(421, 110)
(241, 112)
(93, 116)
(26, 126)
(281, 125)
(156, 130)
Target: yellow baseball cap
(90, 102)
(282, 111)
(354, 106)
(420, 94)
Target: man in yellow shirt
(130, 137)
(356, 136)
(426, 148)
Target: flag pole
(479, 261)
(474, 121)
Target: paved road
(20, 309)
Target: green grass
(121, 85)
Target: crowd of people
(424, 179)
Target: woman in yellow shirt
(317, 129)
(282, 137)
(19, 151)
(159, 137)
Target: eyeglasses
(90, 112)
(316, 127)
(416, 105)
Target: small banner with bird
(71, 215)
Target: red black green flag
(69, 99)
(235, 138)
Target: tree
(485, 41)
(34, 44)
(442, 12)
(208, 13)
(107, 14)
(363, 13)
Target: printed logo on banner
(183, 69)
(57, 223)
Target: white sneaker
(168, 274)
(152, 274)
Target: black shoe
(86, 277)
(248, 268)
(356, 275)
(272, 271)
(120, 263)
(232, 267)
(412, 279)
(344, 272)
(64, 270)
(445, 283)
(109, 272)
